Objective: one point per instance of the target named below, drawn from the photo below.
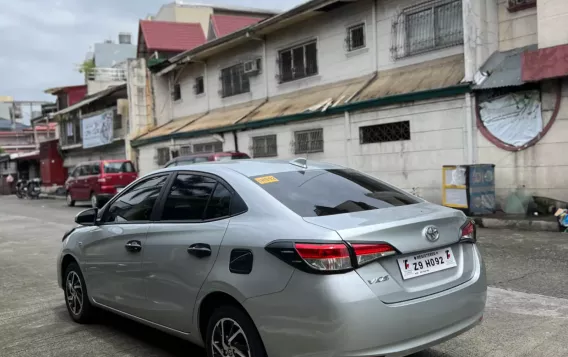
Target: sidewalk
(518, 221)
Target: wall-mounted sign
(97, 130)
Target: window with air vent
(234, 81)
(381, 133)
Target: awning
(440, 73)
(171, 126)
(91, 99)
(30, 155)
(545, 63)
(312, 99)
(502, 69)
(223, 117)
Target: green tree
(87, 66)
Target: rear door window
(313, 193)
(188, 198)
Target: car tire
(76, 296)
(233, 316)
(70, 200)
(94, 200)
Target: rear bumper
(338, 315)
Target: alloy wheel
(229, 340)
(74, 293)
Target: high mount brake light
(468, 232)
(328, 258)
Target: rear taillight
(328, 258)
(325, 257)
(366, 253)
(468, 232)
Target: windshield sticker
(266, 179)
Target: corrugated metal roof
(172, 36)
(222, 117)
(503, 69)
(310, 99)
(440, 73)
(226, 24)
(171, 127)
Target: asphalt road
(526, 315)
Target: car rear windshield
(118, 167)
(329, 192)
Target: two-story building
(384, 86)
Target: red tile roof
(226, 24)
(171, 36)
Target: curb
(519, 224)
(52, 197)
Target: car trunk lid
(404, 228)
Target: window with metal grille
(518, 5)
(356, 37)
(185, 150)
(264, 146)
(208, 147)
(234, 81)
(298, 62)
(163, 156)
(308, 141)
(427, 27)
(385, 132)
(199, 86)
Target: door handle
(133, 246)
(200, 250)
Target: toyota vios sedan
(274, 258)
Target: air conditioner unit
(252, 67)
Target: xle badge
(378, 280)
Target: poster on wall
(97, 130)
(515, 118)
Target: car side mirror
(87, 217)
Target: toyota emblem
(431, 233)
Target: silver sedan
(274, 258)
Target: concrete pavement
(527, 311)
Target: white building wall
(516, 29)
(541, 169)
(335, 63)
(387, 12)
(552, 23)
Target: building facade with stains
(384, 86)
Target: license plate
(119, 189)
(426, 263)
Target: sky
(43, 41)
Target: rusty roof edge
(190, 122)
(458, 89)
(363, 87)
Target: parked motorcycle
(34, 188)
(22, 188)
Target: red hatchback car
(98, 181)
